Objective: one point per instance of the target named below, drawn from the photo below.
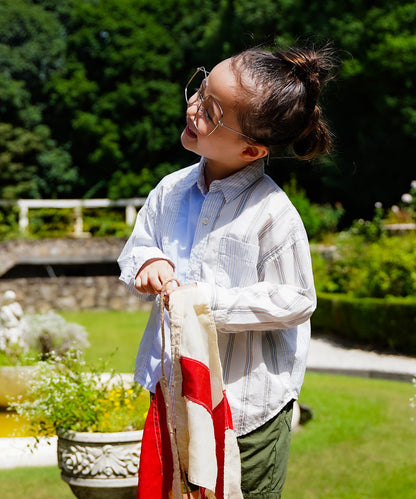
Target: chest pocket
(237, 263)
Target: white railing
(24, 205)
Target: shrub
(383, 323)
(51, 221)
(106, 222)
(319, 220)
(42, 334)
(405, 210)
(9, 226)
(362, 268)
(371, 230)
(50, 332)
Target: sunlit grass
(360, 444)
(114, 334)
(36, 483)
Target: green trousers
(264, 456)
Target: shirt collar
(235, 184)
(201, 179)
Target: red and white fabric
(203, 441)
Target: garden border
(382, 323)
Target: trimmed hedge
(388, 323)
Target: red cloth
(156, 463)
(203, 439)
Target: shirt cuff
(208, 290)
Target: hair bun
(312, 67)
(315, 140)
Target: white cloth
(199, 399)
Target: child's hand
(152, 275)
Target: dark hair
(279, 106)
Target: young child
(225, 225)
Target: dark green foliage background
(91, 92)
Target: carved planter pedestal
(100, 465)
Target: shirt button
(205, 221)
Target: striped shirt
(244, 243)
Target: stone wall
(72, 293)
(11, 252)
(66, 293)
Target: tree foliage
(32, 47)
(91, 91)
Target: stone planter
(14, 382)
(100, 465)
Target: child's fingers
(145, 282)
(152, 283)
(141, 283)
(138, 283)
(152, 275)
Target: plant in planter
(98, 419)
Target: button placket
(201, 235)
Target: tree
(31, 166)
(116, 96)
(31, 48)
(99, 84)
(372, 104)
(376, 104)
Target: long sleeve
(283, 298)
(142, 245)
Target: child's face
(224, 149)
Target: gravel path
(326, 355)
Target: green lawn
(360, 444)
(33, 483)
(113, 335)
